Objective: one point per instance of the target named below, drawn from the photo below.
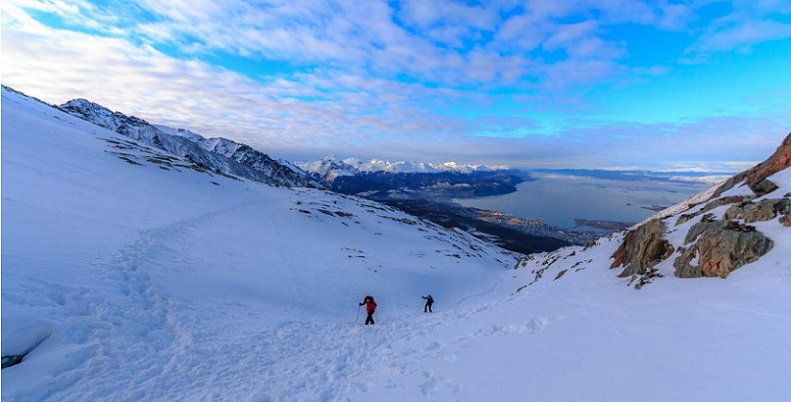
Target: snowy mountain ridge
(227, 157)
(332, 166)
(381, 180)
(221, 154)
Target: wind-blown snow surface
(140, 283)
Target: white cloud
(441, 41)
(348, 95)
(424, 14)
(748, 24)
(567, 34)
(524, 32)
(58, 65)
(740, 35)
(674, 17)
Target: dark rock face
(642, 249)
(720, 247)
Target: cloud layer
(496, 82)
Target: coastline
(565, 200)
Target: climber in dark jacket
(370, 307)
(429, 302)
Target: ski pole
(358, 314)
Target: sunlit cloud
(741, 35)
(749, 24)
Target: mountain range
(422, 189)
(431, 185)
(331, 166)
(130, 272)
(378, 179)
(218, 154)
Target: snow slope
(219, 154)
(157, 281)
(134, 276)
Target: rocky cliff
(727, 227)
(721, 234)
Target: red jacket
(370, 305)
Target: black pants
(427, 309)
(370, 319)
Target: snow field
(130, 282)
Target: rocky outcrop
(763, 210)
(711, 205)
(642, 249)
(711, 234)
(756, 178)
(713, 247)
(718, 248)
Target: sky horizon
(695, 84)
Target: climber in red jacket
(370, 307)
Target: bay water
(559, 199)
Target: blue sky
(534, 83)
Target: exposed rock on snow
(708, 235)
(721, 247)
(712, 205)
(642, 249)
(712, 247)
(764, 210)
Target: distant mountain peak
(330, 162)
